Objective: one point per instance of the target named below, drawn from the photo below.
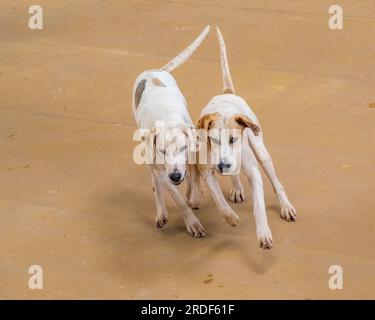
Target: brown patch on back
(158, 82)
(227, 91)
(139, 91)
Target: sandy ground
(73, 201)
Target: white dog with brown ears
(229, 111)
(158, 99)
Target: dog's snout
(222, 166)
(175, 176)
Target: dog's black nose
(222, 166)
(175, 176)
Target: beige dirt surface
(73, 201)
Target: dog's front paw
(194, 227)
(288, 212)
(237, 195)
(264, 237)
(231, 218)
(161, 220)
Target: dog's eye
(233, 140)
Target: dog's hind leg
(161, 208)
(288, 212)
(237, 193)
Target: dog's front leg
(288, 212)
(161, 208)
(193, 225)
(213, 185)
(194, 194)
(250, 167)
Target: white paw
(288, 212)
(161, 220)
(231, 218)
(237, 195)
(194, 227)
(264, 235)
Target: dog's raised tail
(227, 79)
(187, 53)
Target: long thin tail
(227, 79)
(186, 54)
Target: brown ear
(206, 121)
(245, 122)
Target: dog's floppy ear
(206, 121)
(245, 122)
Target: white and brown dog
(228, 111)
(158, 99)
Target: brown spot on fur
(139, 91)
(158, 82)
(227, 91)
